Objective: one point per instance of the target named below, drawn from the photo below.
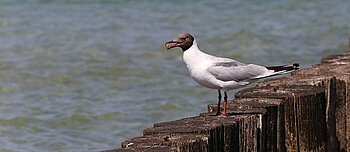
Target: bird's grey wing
(236, 71)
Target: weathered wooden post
(326, 81)
(200, 133)
(245, 130)
(303, 122)
(333, 74)
(258, 134)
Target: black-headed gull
(221, 73)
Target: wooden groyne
(307, 111)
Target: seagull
(222, 74)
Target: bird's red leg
(225, 104)
(219, 98)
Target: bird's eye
(183, 39)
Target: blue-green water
(83, 75)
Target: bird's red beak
(170, 44)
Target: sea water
(84, 75)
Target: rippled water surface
(83, 75)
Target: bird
(222, 74)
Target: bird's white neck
(194, 56)
(194, 43)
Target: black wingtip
(296, 66)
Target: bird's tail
(278, 70)
(284, 68)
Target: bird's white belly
(206, 83)
(205, 79)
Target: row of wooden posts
(307, 111)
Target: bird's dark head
(183, 40)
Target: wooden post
(333, 74)
(213, 127)
(266, 136)
(252, 127)
(342, 96)
(304, 114)
(120, 150)
(338, 116)
(168, 142)
(326, 81)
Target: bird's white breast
(197, 63)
